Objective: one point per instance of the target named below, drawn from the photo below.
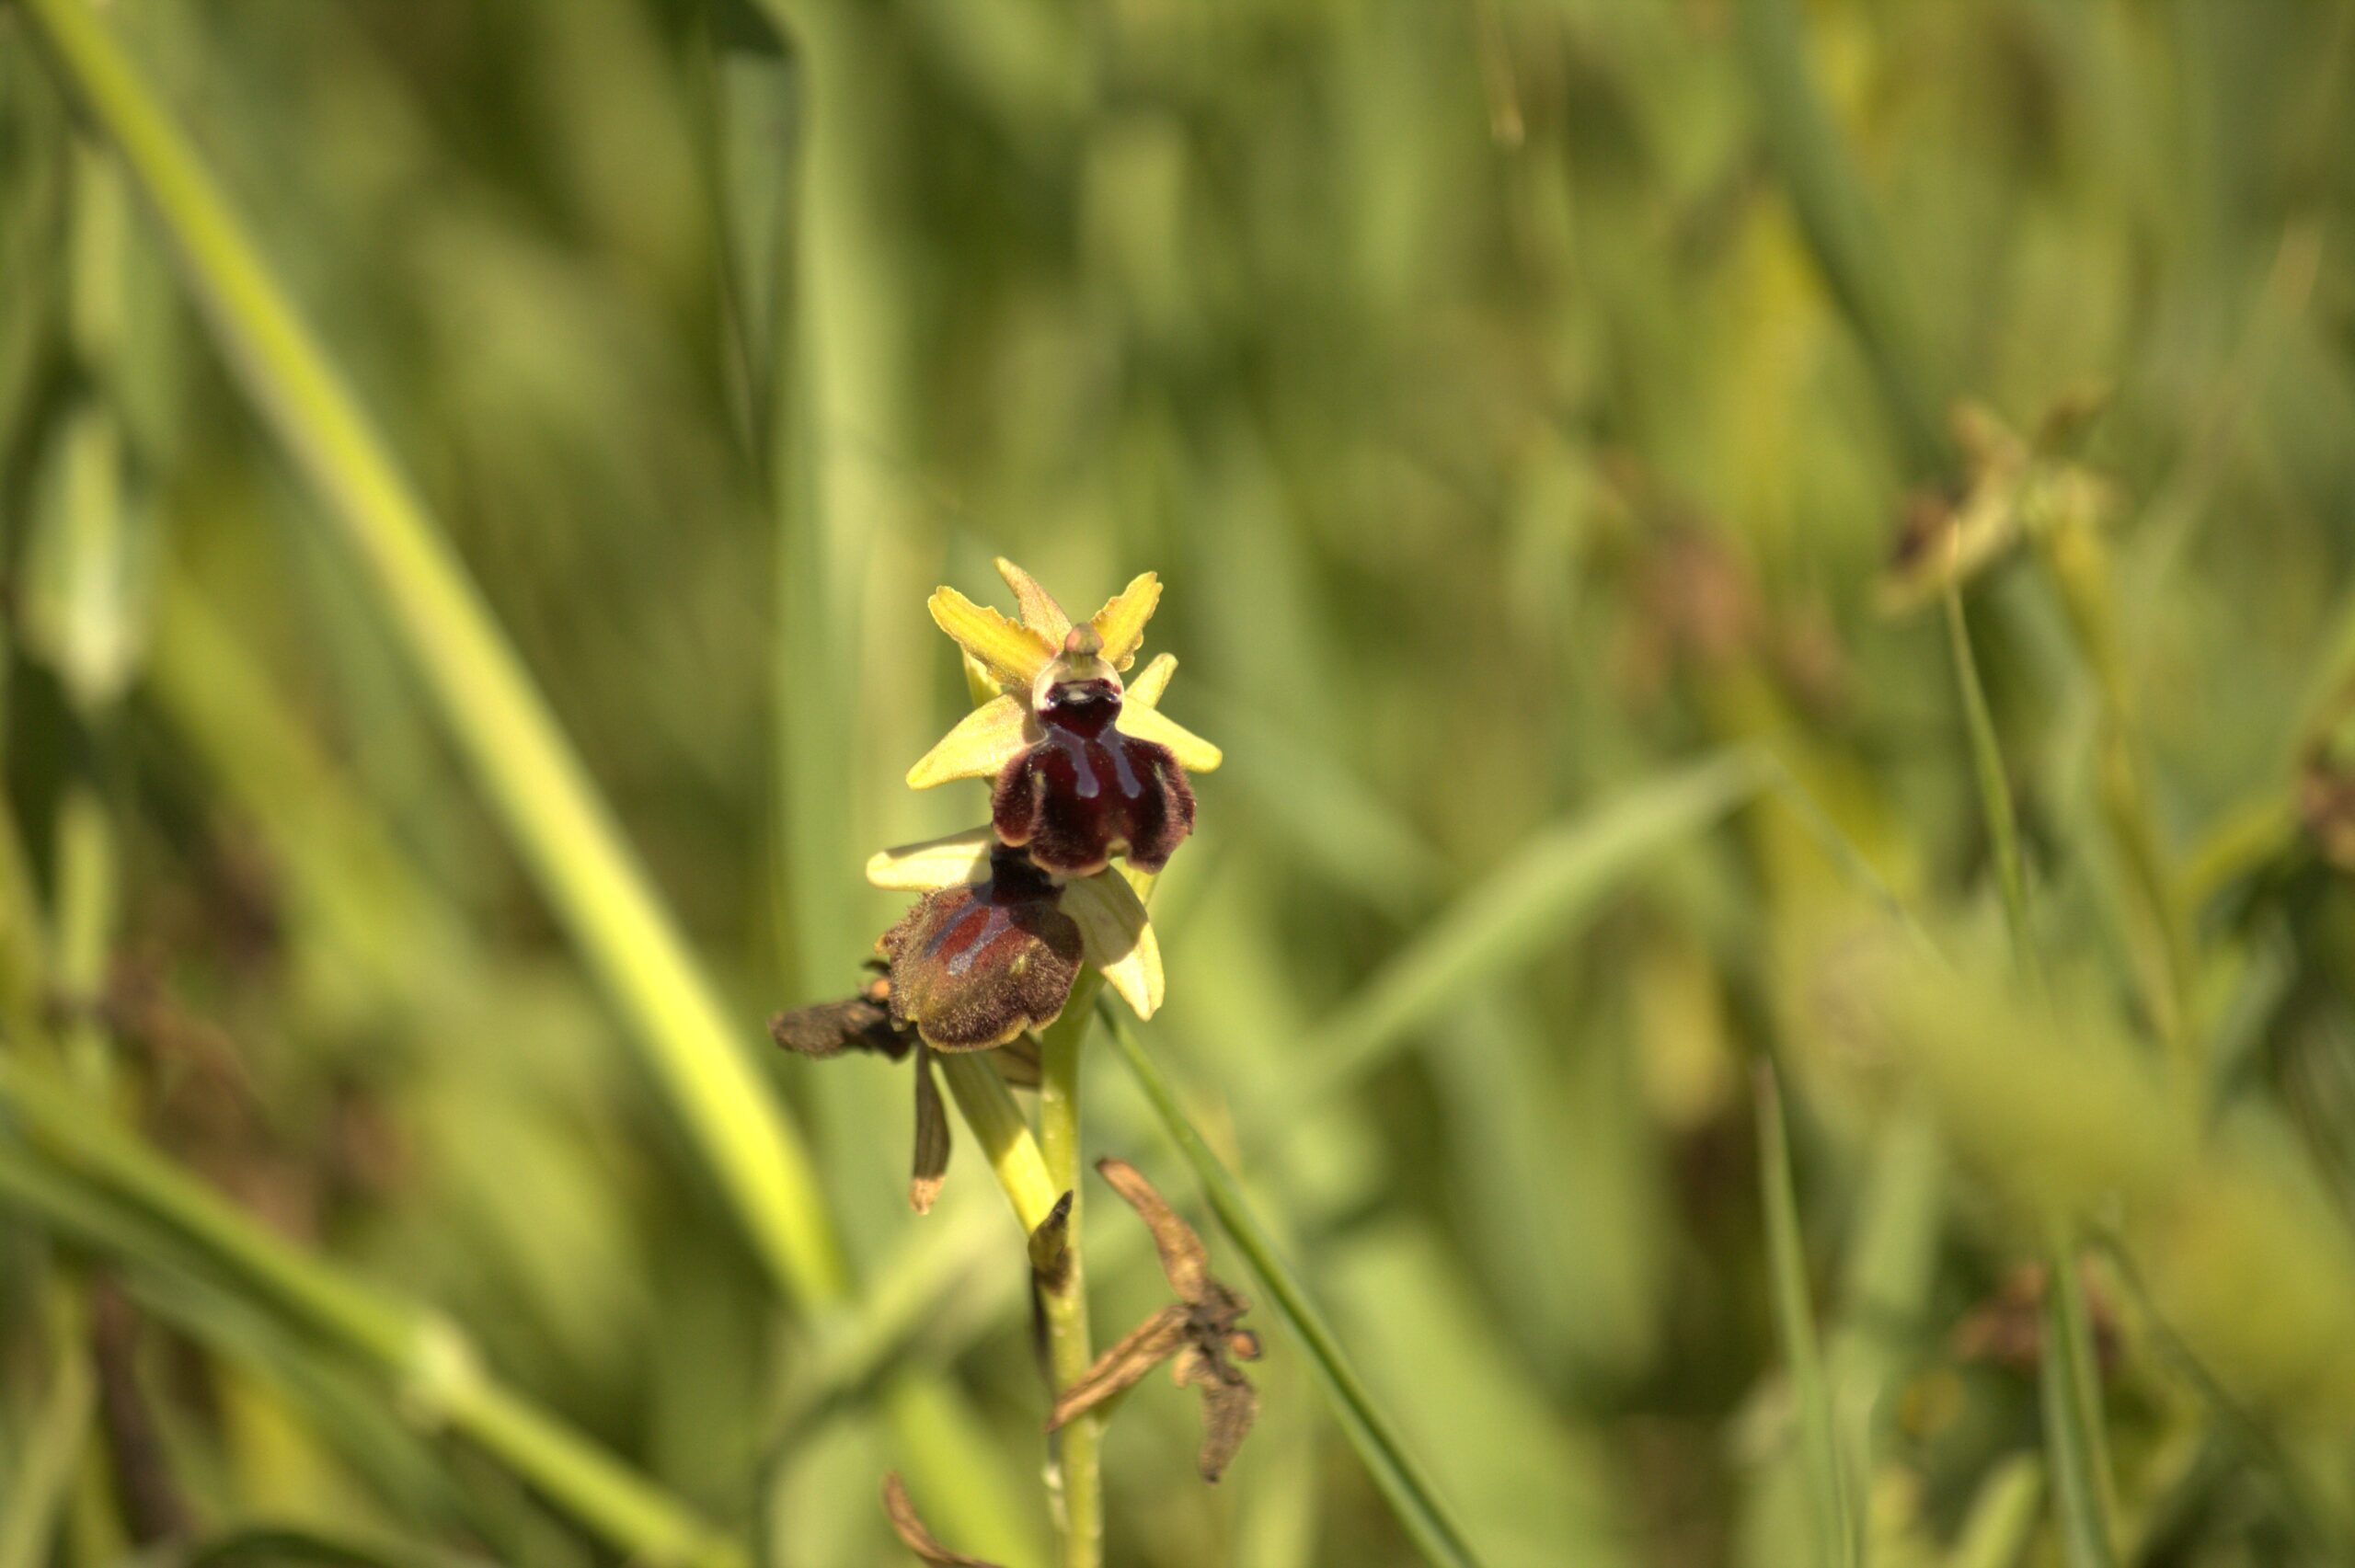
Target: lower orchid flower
(987, 956)
(1114, 934)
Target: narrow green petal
(1194, 754)
(1121, 621)
(1013, 653)
(1117, 937)
(959, 859)
(1039, 610)
(982, 743)
(1147, 688)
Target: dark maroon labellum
(972, 967)
(1086, 792)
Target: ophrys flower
(1085, 767)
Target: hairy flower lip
(1116, 933)
(1087, 793)
(979, 964)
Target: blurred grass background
(1524, 402)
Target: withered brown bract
(829, 1028)
(1201, 1330)
(914, 1537)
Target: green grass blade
(433, 1365)
(501, 723)
(2002, 1520)
(1547, 887)
(1838, 223)
(2067, 1390)
(2068, 1383)
(32, 1497)
(1795, 1323)
(1394, 1471)
(751, 131)
(1994, 789)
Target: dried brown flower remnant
(914, 1537)
(829, 1028)
(864, 1022)
(1201, 1330)
(2007, 1329)
(2011, 488)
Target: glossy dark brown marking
(1086, 792)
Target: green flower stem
(1069, 1352)
(1035, 1174)
(988, 1107)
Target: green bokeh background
(1520, 401)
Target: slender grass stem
(1036, 1172)
(2069, 1396)
(1794, 1322)
(34, 1495)
(2079, 564)
(2067, 1376)
(1994, 789)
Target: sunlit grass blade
(1402, 1480)
(1994, 789)
(2068, 1382)
(1838, 222)
(2002, 1521)
(541, 791)
(1836, 1528)
(2068, 1391)
(1547, 887)
(434, 1368)
(33, 1493)
(751, 133)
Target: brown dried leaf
(914, 1537)
(1117, 1369)
(1182, 1257)
(932, 1138)
(1229, 1407)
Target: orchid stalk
(992, 973)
